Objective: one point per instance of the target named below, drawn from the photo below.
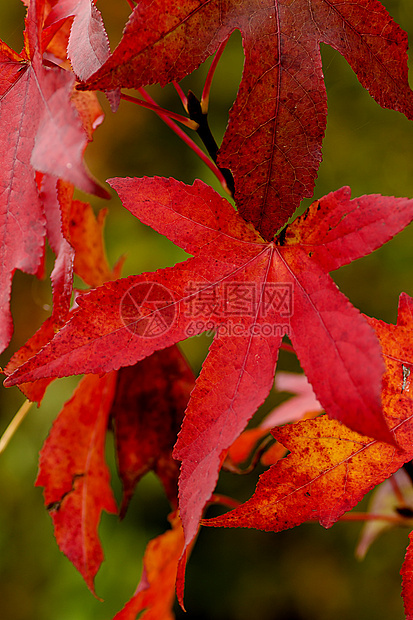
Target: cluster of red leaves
(251, 284)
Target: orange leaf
(156, 590)
(86, 236)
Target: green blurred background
(304, 574)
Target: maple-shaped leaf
(251, 292)
(147, 413)
(74, 474)
(36, 119)
(273, 141)
(155, 593)
(331, 467)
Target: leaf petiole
(179, 132)
(366, 516)
(259, 449)
(210, 75)
(156, 108)
(181, 95)
(224, 500)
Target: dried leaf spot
(406, 380)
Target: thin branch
(131, 4)
(14, 424)
(224, 500)
(259, 449)
(179, 132)
(367, 516)
(204, 132)
(210, 75)
(156, 108)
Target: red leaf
(10, 68)
(37, 119)
(405, 313)
(88, 45)
(273, 141)
(60, 132)
(33, 391)
(329, 470)
(155, 593)
(62, 274)
(147, 411)
(330, 467)
(236, 378)
(22, 229)
(59, 125)
(76, 222)
(74, 474)
(251, 292)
